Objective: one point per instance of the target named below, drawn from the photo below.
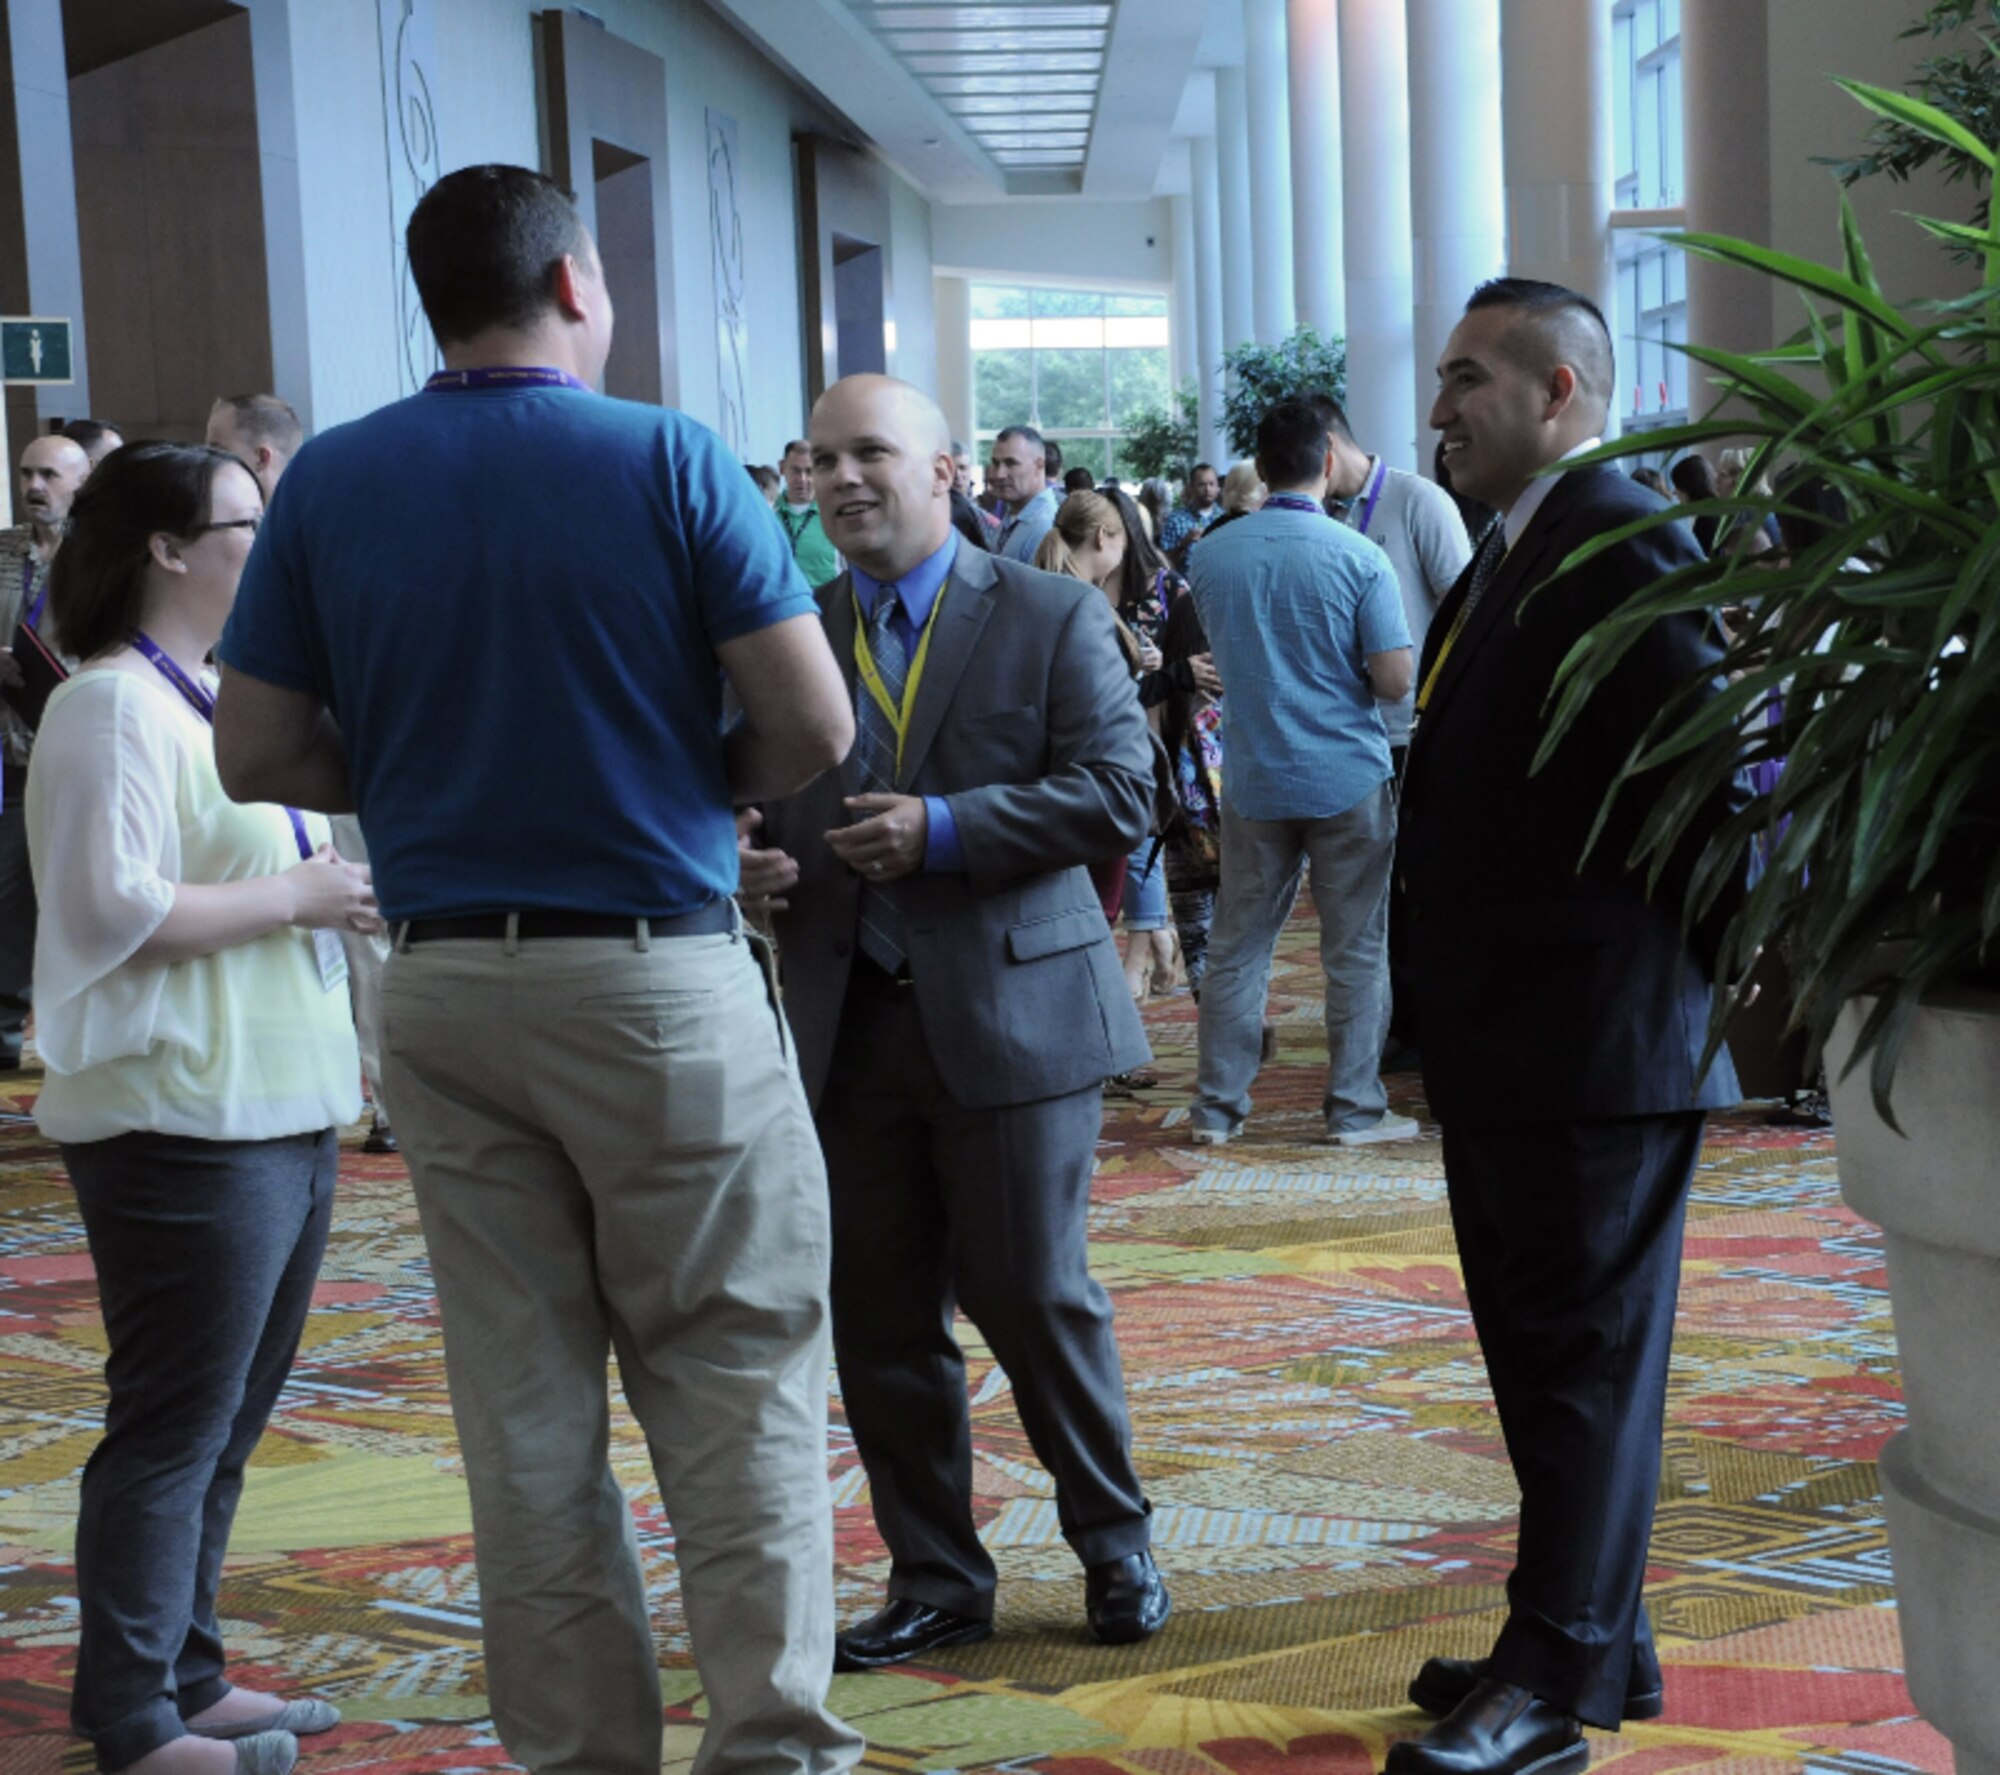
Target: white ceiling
(981, 99)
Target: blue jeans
(206, 1253)
(1144, 907)
(1261, 860)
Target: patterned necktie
(1485, 564)
(875, 751)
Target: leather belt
(705, 921)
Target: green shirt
(815, 555)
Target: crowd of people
(913, 745)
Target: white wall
(1059, 240)
(489, 109)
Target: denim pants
(206, 1254)
(1144, 907)
(1350, 855)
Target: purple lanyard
(33, 619)
(1294, 502)
(203, 705)
(502, 376)
(1380, 475)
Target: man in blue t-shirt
(1305, 620)
(496, 619)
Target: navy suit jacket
(1549, 993)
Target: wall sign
(35, 349)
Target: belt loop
(735, 920)
(642, 935)
(401, 941)
(511, 944)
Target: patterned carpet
(1312, 1422)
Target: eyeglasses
(249, 524)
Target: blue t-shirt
(1293, 604)
(510, 600)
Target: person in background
(52, 470)
(1052, 462)
(1243, 492)
(262, 431)
(1020, 476)
(192, 1015)
(1191, 731)
(1156, 500)
(1653, 481)
(973, 521)
(1079, 480)
(1694, 481)
(1200, 507)
(93, 437)
(769, 482)
(798, 516)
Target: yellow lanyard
(864, 663)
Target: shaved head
(882, 471)
(52, 468)
(899, 406)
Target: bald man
(1563, 1011)
(958, 1003)
(52, 469)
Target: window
(1075, 364)
(1652, 277)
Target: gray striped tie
(875, 750)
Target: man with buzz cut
(799, 516)
(261, 431)
(1020, 475)
(592, 1078)
(1563, 1013)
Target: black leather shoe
(1498, 1729)
(1444, 1682)
(902, 1631)
(1126, 1599)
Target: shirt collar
(1538, 490)
(918, 588)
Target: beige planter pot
(1934, 1190)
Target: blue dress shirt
(916, 593)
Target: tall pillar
(1232, 152)
(1555, 93)
(1265, 78)
(1319, 275)
(1726, 82)
(1181, 322)
(1375, 179)
(1458, 204)
(951, 299)
(1207, 205)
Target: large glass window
(1652, 277)
(1075, 364)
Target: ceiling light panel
(895, 15)
(980, 41)
(968, 105)
(950, 86)
(1037, 63)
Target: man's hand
(10, 673)
(762, 876)
(1207, 679)
(888, 837)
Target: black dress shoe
(1444, 1682)
(1126, 1599)
(1498, 1729)
(902, 1631)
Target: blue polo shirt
(1293, 604)
(510, 599)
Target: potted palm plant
(1864, 697)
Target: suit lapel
(837, 612)
(968, 602)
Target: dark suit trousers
(1570, 1239)
(934, 1203)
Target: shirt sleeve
(1384, 626)
(744, 576)
(271, 634)
(943, 854)
(1443, 547)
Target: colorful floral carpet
(1312, 1422)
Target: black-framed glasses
(249, 524)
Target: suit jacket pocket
(1052, 935)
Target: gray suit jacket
(1027, 722)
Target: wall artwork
(725, 232)
(409, 53)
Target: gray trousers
(17, 912)
(1350, 855)
(206, 1252)
(612, 1152)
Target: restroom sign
(34, 349)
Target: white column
(1270, 169)
(952, 299)
(1375, 181)
(1318, 260)
(1555, 91)
(1207, 205)
(1232, 152)
(1458, 205)
(1181, 309)
(1725, 80)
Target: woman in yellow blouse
(192, 1014)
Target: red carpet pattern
(1311, 1418)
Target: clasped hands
(886, 841)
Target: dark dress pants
(206, 1252)
(17, 912)
(1569, 1235)
(935, 1204)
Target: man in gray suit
(958, 1003)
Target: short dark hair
(1052, 458)
(1079, 480)
(1694, 476)
(1331, 412)
(1291, 444)
(98, 577)
(766, 478)
(1569, 328)
(86, 434)
(795, 444)
(484, 243)
(1028, 435)
(265, 419)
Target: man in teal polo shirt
(798, 512)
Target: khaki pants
(611, 1151)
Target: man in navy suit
(1563, 1013)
